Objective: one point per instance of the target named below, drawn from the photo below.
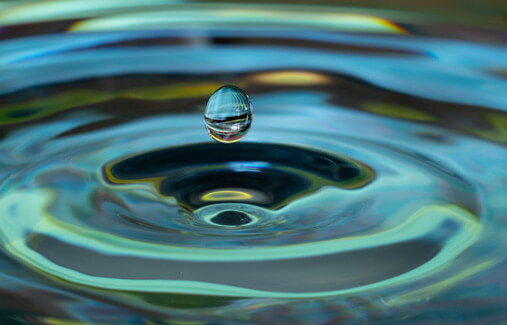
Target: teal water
(370, 188)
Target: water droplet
(231, 218)
(228, 115)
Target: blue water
(370, 188)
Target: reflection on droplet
(231, 218)
(228, 114)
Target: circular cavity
(231, 218)
(268, 175)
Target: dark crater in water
(268, 175)
(231, 218)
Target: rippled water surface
(371, 187)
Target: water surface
(370, 188)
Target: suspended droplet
(228, 114)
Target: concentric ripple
(146, 223)
(372, 186)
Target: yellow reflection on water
(226, 195)
(294, 78)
